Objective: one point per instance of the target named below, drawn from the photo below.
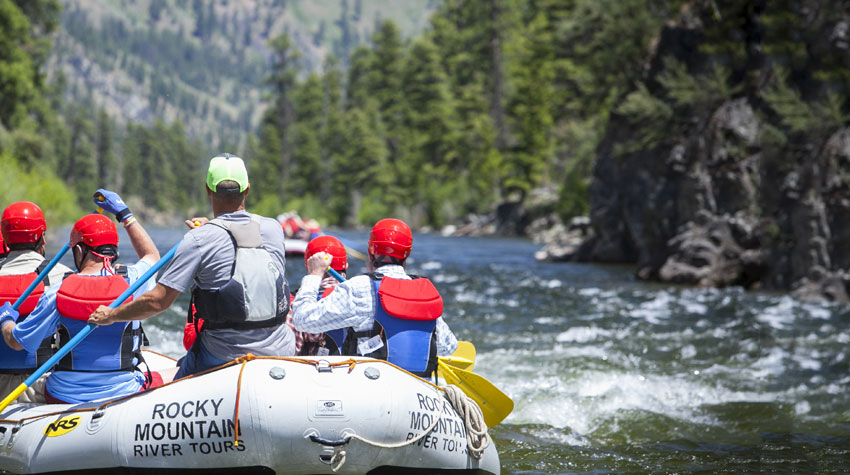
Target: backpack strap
(38, 271)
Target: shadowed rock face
(713, 205)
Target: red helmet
(94, 230)
(332, 246)
(22, 222)
(3, 250)
(390, 237)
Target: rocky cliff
(750, 186)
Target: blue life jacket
(11, 288)
(406, 313)
(108, 348)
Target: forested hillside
(204, 62)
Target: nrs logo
(62, 426)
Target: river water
(611, 375)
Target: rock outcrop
(715, 204)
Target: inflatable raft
(295, 246)
(255, 415)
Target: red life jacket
(80, 295)
(415, 299)
(13, 286)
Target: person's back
(103, 365)
(24, 226)
(209, 266)
(388, 314)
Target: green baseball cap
(227, 167)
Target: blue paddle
(85, 331)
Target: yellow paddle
(355, 253)
(494, 404)
(463, 357)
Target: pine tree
(281, 115)
(333, 127)
(104, 156)
(358, 94)
(530, 108)
(307, 156)
(428, 171)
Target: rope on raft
(477, 437)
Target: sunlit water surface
(610, 375)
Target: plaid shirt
(352, 304)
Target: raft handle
(330, 443)
(324, 366)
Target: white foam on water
(688, 352)
(817, 312)
(582, 335)
(552, 283)
(585, 402)
(445, 278)
(546, 320)
(771, 363)
(807, 358)
(431, 265)
(779, 316)
(802, 407)
(560, 437)
(654, 311)
(169, 343)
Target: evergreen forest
(492, 100)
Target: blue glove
(112, 203)
(8, 314)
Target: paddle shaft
(335, 275)
(85, 331)
(41, 276)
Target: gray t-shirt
(205, 258)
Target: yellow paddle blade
(457, 362)
(355, 253)
(494, 404)
(465, 350)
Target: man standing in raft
(388, 314)
(23, 227)
(229, 261)
(103, 365)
